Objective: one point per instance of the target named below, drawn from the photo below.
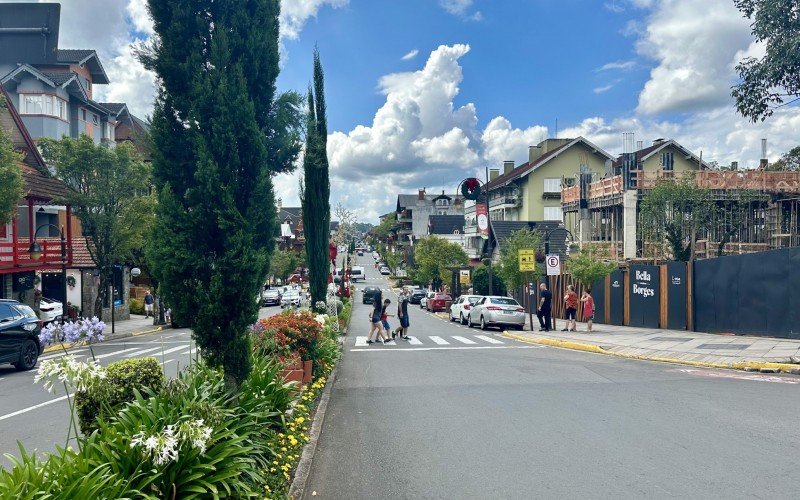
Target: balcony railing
(15, 254)
(571, 194)
(606, 187)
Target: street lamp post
(36, 253)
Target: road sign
(527, 259)
(553, 265)
(463, 275)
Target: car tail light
(466, 307)
(494, 308)
(519, 310)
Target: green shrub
(137, 306)
(123, 378)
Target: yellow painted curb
(578, 346)
(59, 347)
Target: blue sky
(488, 79)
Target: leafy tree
(219, 135)
(676, 213)
(587, 269)
(284, 263)
(767, 82)
(433, 257)
(11, 187)
(509, 257)
(788, 162)
(480, 282)
(382, 230)
(108, 193)
(316, 205)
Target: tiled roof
(501, 231)
(445, 224)
(74, 55)
(80, 253)
(114, 107)
(60, 78)
(410, 200)
(39, 186)
(291, 212)
(525, 167)
(639, 154)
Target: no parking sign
(553, 265)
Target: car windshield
(474, 300)
(271, 292)
(504, 300)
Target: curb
(303, 470)
(54, 348)
(762, 366)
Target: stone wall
(89, 284)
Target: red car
(439, 302)
(296, 278)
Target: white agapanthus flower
(163, 447)
(66, 369)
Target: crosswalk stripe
(463, 340)
(175, 349)
(488, 339)
(414, 341)
(141, 351)
(439, 340)
(106, 355)
(361, 341)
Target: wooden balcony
(571, 194)
(14, 256)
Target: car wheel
(461, 318)
(519, 327)
(28, 356)
(483, 323)
(469, 321)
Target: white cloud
(503, 142)
(618, 65)
(295, 13)
(140, 17)
(614, 6)
(694, 43)
(459, 8)
(410, 55)
(604, 88)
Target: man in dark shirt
(543, 312)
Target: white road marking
(168, 361)
(414, 341)
(142, 351)
(60, 353)
(361, 341)
(488, 339)
(449, 348)
(740, 376)
(175, 349)
(464, 340)
(31, 408)
(114, 353)
(439, 340)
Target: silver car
(424, 301)
(497, 311)
(462, 306)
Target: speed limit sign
(553, 265)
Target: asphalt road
(489, 420)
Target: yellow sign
(527, 259)
(464, 276)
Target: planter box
(292, 362)
(293, 376)
(308, 367)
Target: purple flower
(50, 334)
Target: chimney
(534, 152)
(658, 141)
(421, 195)
(764, 163)
(508, 166)
(279, 204)
(494, 173)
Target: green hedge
(122, 377)
(137, 306)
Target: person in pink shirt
(588, 308)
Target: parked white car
(291, 298)
(51, 310)
(497, 311)
(460, 309)
(424, 301)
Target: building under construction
(756, 209)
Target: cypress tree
(316, 188)
(219, 133)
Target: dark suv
(370, 293)
(416, 296)
(19, 335)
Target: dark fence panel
(676, 295)
(599, 296)
(644, 296)
(749, 294)
(617, 298)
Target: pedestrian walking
(402, 313)
(148, 304)
(588, 308)
(375, 320)
(571, 307)
(385, 320)
(543, 311)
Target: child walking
(588, 308)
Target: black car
(416, 296)
(270, 297)
(19, 335)
(369, 294)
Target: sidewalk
(741, 352)
(137, 325)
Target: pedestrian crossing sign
(527, 259)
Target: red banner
(482, 216)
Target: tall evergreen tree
(219, 134)
(317, 188)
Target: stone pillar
(629, 202)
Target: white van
(357, 274)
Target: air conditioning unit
(569, 181)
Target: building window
(442, 202)
(553, 213)
(42, 104)
(552, 185)
(83, 114)
(441, 212)
(95, 119)
(667, 161)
